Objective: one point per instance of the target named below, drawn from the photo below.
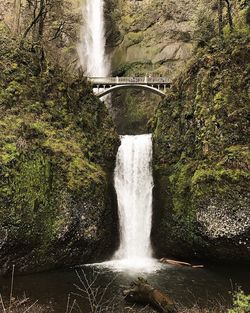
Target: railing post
(146, 80)
(117, 79)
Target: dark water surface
(186, 285)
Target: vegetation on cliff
(58, 147)
(54, 24)
(147, 38)
(201, 145)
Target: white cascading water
(91, 49)
(133, 177)
(133, 184)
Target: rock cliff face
(202, 162)
(149, 37)
(57, 155)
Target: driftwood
(179, 263)
(141, 291)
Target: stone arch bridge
(105, 85)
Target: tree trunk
(229, 14)
(41, 20)
(142, 292)
(17, 14)
(220, 17)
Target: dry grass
(98, 302)
(23, 305)
(197, 309)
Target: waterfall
(133, 175)
(91, 49)
(133, 184)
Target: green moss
(220, 180)
(127, 21)
(133, 38)
(201, 139)
(180, 185)
(57, 143)
(119, 57)
(83, 175)
(32, 207)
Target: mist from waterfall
(133, 184)
(91, 49)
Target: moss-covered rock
(159, 32)
(146, 38)
(201, 157)
(57, 153)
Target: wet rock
(201, 157)
(57, 157)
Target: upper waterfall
(91, 49)
(133, 184)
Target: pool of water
(186, 285)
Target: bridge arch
(154, 90)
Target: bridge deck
(113, 81)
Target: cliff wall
(201, 156)
(150, 37)
(57, 155)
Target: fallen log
(174, 262)
(142, 292)
(179, 263)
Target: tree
(40, 9)
(220, 17)
(204, 25)
(229, 14)
(17, 14)
(229, 5)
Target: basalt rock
(201, 158)
(57, 156)
(147, 38)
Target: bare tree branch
(35, 20)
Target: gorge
(83, 181)
(133, 176)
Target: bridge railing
(128, 80)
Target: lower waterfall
(134, 184)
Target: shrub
(241, 302)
